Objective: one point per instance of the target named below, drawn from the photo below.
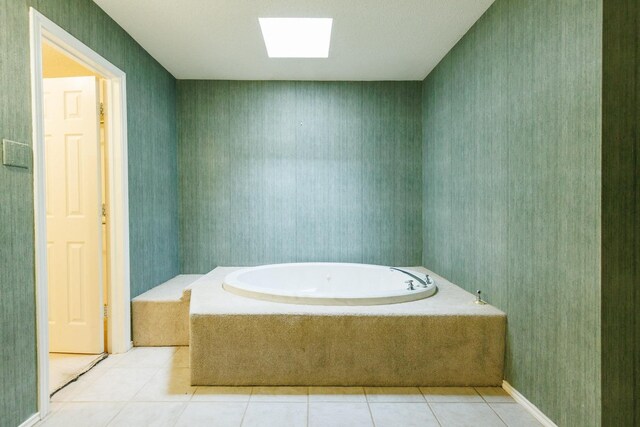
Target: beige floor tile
(89, 414)
(279, 394)
(275, 414)
(115, 385)
(92, 374)
(64, 367)
(146, 357)
(336, 394)
(495, 395)
(221, 394)
(167, 385)
(148, 414)
(403, 414)
(466, 415)
(180, 358)
(393, 394)
(451, 394)
(54, 406)
(112, 360)
(66, 394)
(212, 414)
(339, 414)
(515, 415)
(104, 394)
(68, 391)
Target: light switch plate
(16, 154)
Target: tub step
(160, 316)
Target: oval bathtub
(329, 284)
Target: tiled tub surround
(150, 387)
(444, 340)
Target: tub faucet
(479, 299)
(410, 283)
(422, 282)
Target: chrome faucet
(410, 283)
(425, 284)
(479, 299)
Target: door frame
(118, 289)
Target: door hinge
(106, 311)
(104, 213)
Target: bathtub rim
(277, 295)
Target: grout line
(434, 414)
(480, 394)
(373, 421)
(423, 395)
(195, 389)
(184, 408)
(246, 407)
(116, 415)
(132, 399)
(498, 415)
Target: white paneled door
(73, 205)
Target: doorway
(77, 237)
(80, 204)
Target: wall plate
(16, 154)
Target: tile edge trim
(530, 407)
(32, 420)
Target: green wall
(152, 179)
(17, 289)
(152, 139)
(621, 214)
(299, 171)
(512, 170)
(529, 159)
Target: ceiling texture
(371, 39)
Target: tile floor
(150, 387)
(64, 367)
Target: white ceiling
(371, 40)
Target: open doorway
(80, 205)
(76, 196)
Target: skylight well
(297, 37)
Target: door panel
(73, 200)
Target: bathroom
(509, 165)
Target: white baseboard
(31, 420)
(533, 409)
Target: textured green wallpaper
(512, 127)
(152, 180)
(17, 290)
(621, 214)
(299, 171)
(152, 139)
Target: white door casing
(73, 208)
(44, 30)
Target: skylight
(297, 37)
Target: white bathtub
(329, 284)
